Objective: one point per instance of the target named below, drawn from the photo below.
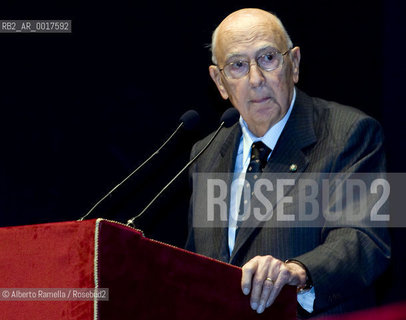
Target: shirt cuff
(306, 299)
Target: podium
(146, 279)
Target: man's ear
(295, 57)
(215, 74)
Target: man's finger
(248, 271)
(282, 279)
(257, 287)
(263, 269)
(267, 288)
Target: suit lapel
(296, 136)
(288, 154)
(225, 164)
(228, 151)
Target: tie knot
(260, 152)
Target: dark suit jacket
(320, 136)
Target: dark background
(80, 111)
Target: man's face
(261, 97)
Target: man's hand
(265, 276)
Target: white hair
(289, 42)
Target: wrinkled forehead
(247, 34)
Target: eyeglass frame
(256, 61)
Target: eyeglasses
(270, 60)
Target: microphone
(189, 121)
(229, 117)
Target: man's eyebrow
(266, 48)
(236, 55)
(233, 56)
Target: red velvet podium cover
(146, 279)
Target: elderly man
(256, 67)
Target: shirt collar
(270, 138)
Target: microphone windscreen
(190, 119)
(229, 117)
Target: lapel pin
(293, 167)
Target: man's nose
(256, 75)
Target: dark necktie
(259, 156)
